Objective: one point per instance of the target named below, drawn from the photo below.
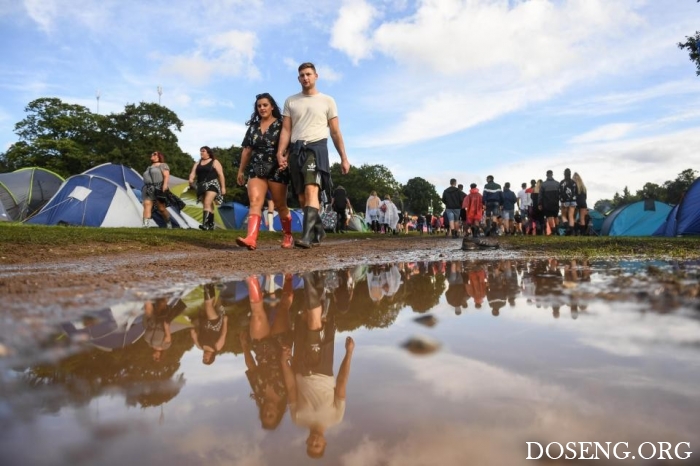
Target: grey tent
(25, 191)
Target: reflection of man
(316, 399)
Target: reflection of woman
(210, 326)
(266, 339)
(211, 186)
(155, 179)
(260, 149)
(157, 318)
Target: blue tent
(90, 200)
(233, 215)
(684, 219)
(124, 176)
(297, 221)
(597, 220)
(641, 218)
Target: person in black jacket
(568, 192)
(452, 198)
(549, 202)
(493, 201)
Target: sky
(433, 88)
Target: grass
(14, 237)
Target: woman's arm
(288, 374)
(220, 171)
(245, 158)
(193, 172)
(222, 338)
(166, 178)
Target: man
(462, 211)
(341, 205)
(452, 198)
(316, 399)
(524, 201)
(549, 202)
(493, 200)
(307, 118)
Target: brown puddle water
(453, 363)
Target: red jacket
(474, 204)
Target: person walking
(207, 176)
(452, 198)
(581, 206)
(259, 156)
(568, 191)
(493, 200)
(155, 179)
(549, 202)
(341, 206)
(508, 214)
(307, 118)
(473, 204)
(372, 211)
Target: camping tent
(357, 223)
(25, 191)
(641, 218)
(597, 220)
(124, 176)
(194, 210)
(233, 214)
(684, 219)
(90, 200)
(297, 221)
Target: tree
(58, 136)
(130, 136)
(421, 196)
(691, 43)
(651, 191)
(676, 188)
(360, 182)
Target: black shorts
(463, 215)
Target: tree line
(69, 139)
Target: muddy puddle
(429, 363)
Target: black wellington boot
(309, 231)
(319, 232)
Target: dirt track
(53, 279)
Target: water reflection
(276, 342)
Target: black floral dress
(264, 149)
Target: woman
(581, 206)
(568, 193)
(210, 326)
(372, 211)
(155, 179)
(388, 215)
(157, 318)
(537, 215)
(210, 185)
(267, 337)
(260, 149)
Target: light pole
(97, 96)
(160, 93)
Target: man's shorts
(508, 214)
(305, 175)
(493, 209)
(452, 215)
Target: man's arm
(285, 137)
(337, 137)
(344, 372)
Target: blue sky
(430, 88)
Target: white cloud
(609, 132)
(198, 132)
(227, 54)
(350, 29)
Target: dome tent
(25, 191)
(641, 218)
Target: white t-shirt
(316, 402)
(525, 200)
(310, 115)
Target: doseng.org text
(607, 450)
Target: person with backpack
(549, 202)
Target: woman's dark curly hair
(255, 116)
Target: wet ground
(417, 361)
